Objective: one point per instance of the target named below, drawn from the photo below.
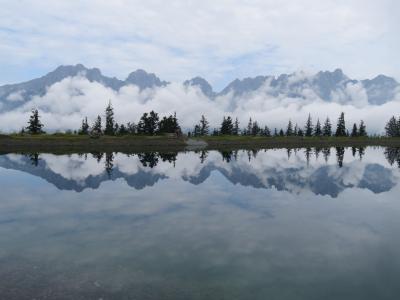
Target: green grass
(71, 142)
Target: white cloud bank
(68, 101)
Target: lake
(266, 224)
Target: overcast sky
(217, 39)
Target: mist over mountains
(329, 86)
(69, 93)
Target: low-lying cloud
(68, 101)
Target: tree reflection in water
(151, 159)
(392, 155)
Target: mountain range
(325, 84)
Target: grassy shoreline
(71, 143)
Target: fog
(65, 104)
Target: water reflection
(294, 170)
(258, 224)
(393, 155)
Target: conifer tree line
(151, 124)
(253, 128)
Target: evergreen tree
(249, 127)
(96, 128)
(122, 130)
(204, 127)
(289, 130)
(84, 128)
(296, 129)
(266, 132)
(34, 124)
(131, 127)
(300, 132)
(109, 126)
(276, 132)
(318, 130)
(398, 131)
(148, 123)
(309, 126)
(255, 130)
(327, 129)
(169, 125)
(341, 126)
(226, 126)
(196, 130)
(362, 129)
(116, 128)
(354, 131)
(281, 132)
(236, 127)
(392, 127)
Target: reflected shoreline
(324, 171)
(152, 158)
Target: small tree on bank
(96, 129)
(255, 130)
(327, 129)
(204, 126)
(236, 129)
(318, 129)
(266, 131)
(123, 130)
(362, 130)
(354, 131)
(34, 124)
(84, 130)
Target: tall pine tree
(341, 126)
(249, 127)
(110, 124)
(34, 124)
(289, 129)
(309, 126)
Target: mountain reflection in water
(267, 224)
(323, 171)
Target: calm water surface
(274, 224)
